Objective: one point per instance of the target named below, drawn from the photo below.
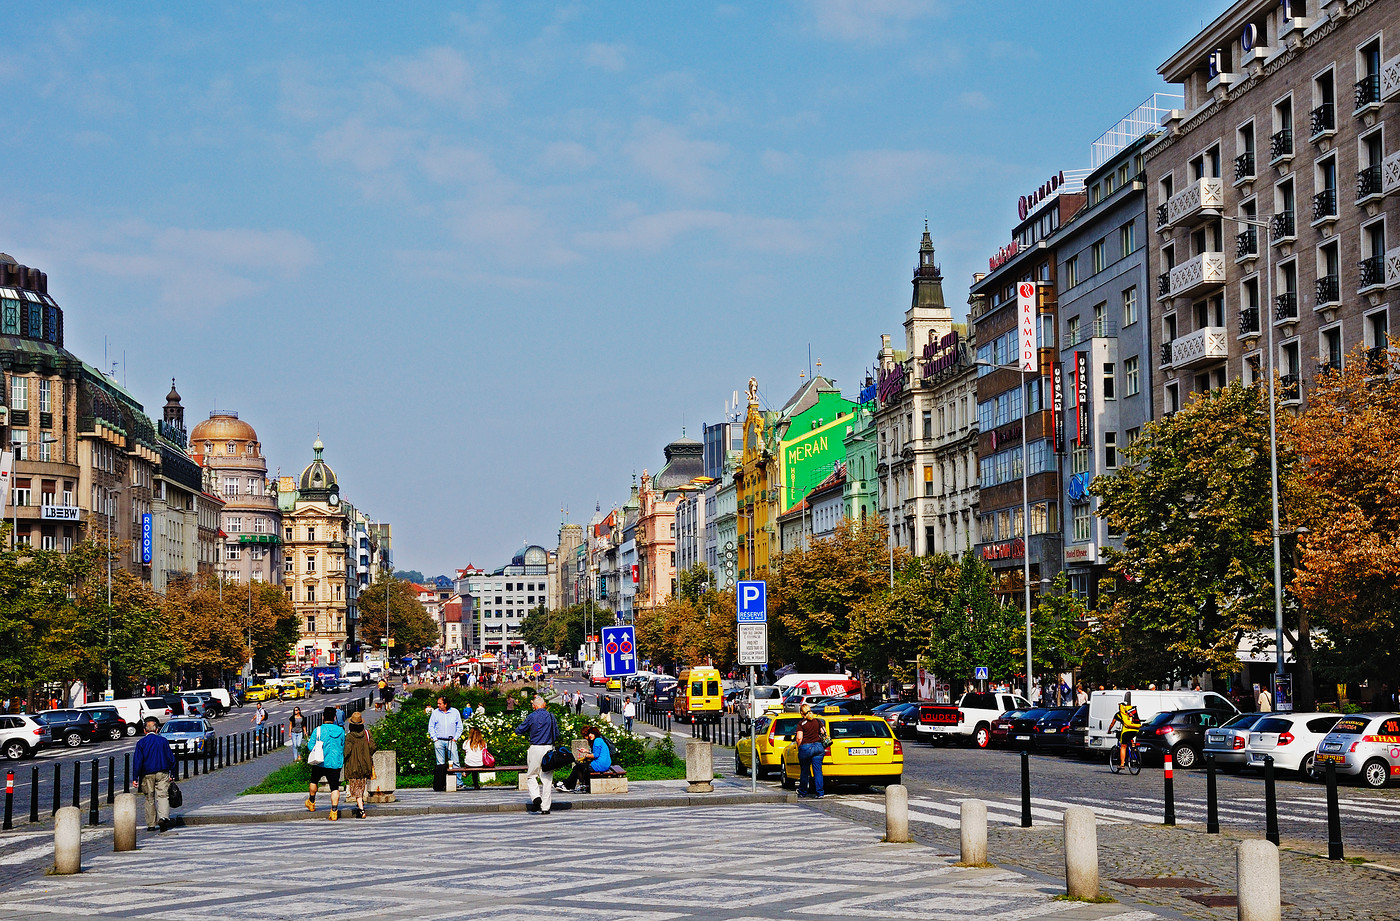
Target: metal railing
(1164, 284)
(1281, 226)
(1249, 320)
(1372, 271)
(1286, 306)
(1161, 215)
(1328, 290)
(1281, 144)
(1166, 353)
(1325, 204)
(1244, 166)
(1247, 243)
(1368, 181)
(1368, 90)
(1323, 118)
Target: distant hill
(417, 578)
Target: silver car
(1365, 745)
(1226, 743)
(188, 736)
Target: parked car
(1075, 739)
(903, 719)
(1022, 729)
(1179, 733)
(21, 735)
(1291, 738)
(108, 723)
(188, 736)
(970, 719)
(1000, 732)
(213, 707)
(1051, 731)
(1364, 745)
(68, 727)
(1226, 743)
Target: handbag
(556, 758)
(177, 799)
(487, 759)
(317, 754)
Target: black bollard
(78, 784)
(194, 756)
(9, 800)
(185, 759)
(34, 794)
(126, 772)
(92, 795)
(1270, 801)
(1334, 815)
(1168, 793)
(111, 780)
(218, 751)
(1025, 789)
(208, 756)
(57, 786)
(1212, 813)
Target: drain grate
(1164, 882)
(1216, 901)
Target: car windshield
(175, 726)
(1160, 719)
(1013, 714)
(1351, 725)
(766, 694)
(859, 729)
(1243, 721)
(1273, 724)
(786, 726)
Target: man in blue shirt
(444, 728)
(600, 761)
(541, 730)
(154, 762)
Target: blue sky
(499, 255)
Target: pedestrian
(811, 749)
(259, 715)
(340, 717)
(154, 763)
(474, 754)
(629, 713)
(578, 703)
(383, 688)
(1265, 702)
(326, 764)
(541, 730)
(444, 728)
(359, 762)
(467, 711)
(596, 761)
(1080, 697)
(510, 704)
(296, 729)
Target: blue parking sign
(619, 651)
(751, 601)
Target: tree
(409, 624)
(889, 630)
(975, 628)
(1194, 510)
(43, 638)
(563, 631)
(1056, 629)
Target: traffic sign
(980, 673)
(753, 644)
(752, 602)
(619, 651)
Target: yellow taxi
(291, 689)
(774, 735)
(861, 749)
(258, 693)
(614, 684)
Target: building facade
(315, 530)
(252, 525)
(499, 601)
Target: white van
(221, 695)
(356, 672)
(1103, 709)
(135, 710)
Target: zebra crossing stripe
(941, 821)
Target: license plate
(1339, 759)
(1332, 747)
(1215, 737)
(1022, 738)
(861, 751)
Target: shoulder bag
(487, 759)
(177, 799)
(317, 755)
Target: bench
(613, 780)
(476, 772)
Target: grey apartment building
(1289, 120)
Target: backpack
(612, 749)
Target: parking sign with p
(752, 602)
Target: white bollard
(699, 766)
(897, 813)
(973, 827)
(1081, 853)
(67, 840)
(124, 822)
(1256, 881)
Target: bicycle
(1134, 760)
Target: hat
(357, 719)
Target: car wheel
(73, 739)
(1307, 769)
(787, 783)
(1184, 756)
(130, 730)
(1375, 773)
(115, 733)
(15, 750)
(739, 767)
(982, 737)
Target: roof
(318, 475)
(223, 426)
(685, 460)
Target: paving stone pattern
(719, 864)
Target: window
(1133, 435)
(928, 480)
(253, 489)
(1098, 256)
(1127, 240)
(1072, 272)
(1332, 349)
(311, 593)
(1072, 331)
(45, 396)
(230, 448)
(1130, 306)
(1324, 113)
(310, 563)
(234, 552)
(1101, 320)
(287, 564)
(310, 533)
(310, 620)
(235, 524)
(1079, 459)
(1132, 380)
(259, 525)
(1079, 514)
(928, 423)
(19, 392)
(1110, 450)
(1108, 383)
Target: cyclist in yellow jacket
(1128, 723)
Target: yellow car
(775, 731)
(862, 749)
(291, 690)
(259, 693)
(614, 684)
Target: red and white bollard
(1170, 806)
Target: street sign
(619, 651)
(980, 673)
(752, 602)
(753, 644)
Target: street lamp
(1025, 512)
(1267, 319)
(111, 693)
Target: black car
(1182, 733)
(903, 719)
(107, 723)
(213, 707)
(1020, 731)
(1051, 731)
(1074, 740)
(68, 727)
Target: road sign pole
(753, 733)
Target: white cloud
(511, 233)
(452, 164)
(367, 148)
(440, 75)
(869, 22)
(682, 164)
(606, 57)
(874, 179)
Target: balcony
(1377, 359)
(1196, 197)
(1325, 206)
(1390, 174)
(1368, 91)
(1244, 166)
(1282, 227)
(1161, 216)
(1390, 79)
(1372, 272)
(1247, 244)
(1281, 145)
(1286, 307)
(1199, 273)
(1368, 182)
(1166, 354)
(1249, 321)
(1323, 120)
(1327, 367)
(1204, 346)
(1288, 388)
(1164, 284)
(1328, 292)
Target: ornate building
(314, 532)
(252, 524)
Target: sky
(498, 255)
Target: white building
(500, 600)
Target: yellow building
(314, 528)
(757, 482)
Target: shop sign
(1084, 426)
(1005, 550)
(1003, 255)
(892, 381)
(946, 353)
(1048, 188)
(147, 538)
(1026, 306)
(59, 513)
(1057, 406)
(1083, 553)
(1007, 433)
(867, 393)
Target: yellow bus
(699, 695)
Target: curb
(709, 799)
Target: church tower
(928, 318)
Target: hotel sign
(1048, 188)
(892, 381)
(946, 353)
(1005, 550)
(1057, 406)
(1026, 307)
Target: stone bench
(476, 772)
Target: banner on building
(1026, 306)
(1057, 406)
(147, 538)
(7, 463)
(1084, 400)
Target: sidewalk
(728, 863)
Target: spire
(317, 447)
(174, 411)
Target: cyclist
(1129, 723)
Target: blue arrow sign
(619, 651)
(751, 600)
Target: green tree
(409, 624)
(974, 629)
(1057, 624)
(888, 631)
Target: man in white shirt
(629, 711)
(444, 728)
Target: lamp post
(1025, 514)
(1267, 320)
(111, 692)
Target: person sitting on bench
(585, 765)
